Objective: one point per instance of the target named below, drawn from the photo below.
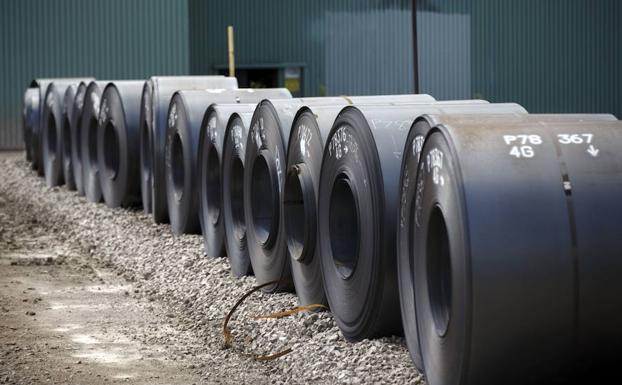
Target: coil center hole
(177, 166)
(78, 153)
(52, 139)
(66, 134)
(111, 150)
(92, 142)
(213, 186)
(294, 213)
(237, 197)
(438, 260)
(145, 149)
(262, 199)
(344, 227)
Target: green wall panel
(345, 46)
(107, 39)
(548, 55)
(551, 56)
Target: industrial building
(549, 56)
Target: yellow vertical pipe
(230, 50)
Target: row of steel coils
(486, 235)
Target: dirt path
(119, 299)
(65, 321)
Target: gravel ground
(173, 272)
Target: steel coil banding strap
(211, 140)
(410, 162)
(234, 152)
(65, 136)
(88, 140)
(75, 139)
(30, 117)
(358, 195)
(516, 264)
(155, 102)
(51, 131)
(117, 143)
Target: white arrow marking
(593, 150)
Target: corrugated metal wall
(548, 55)
(551, 56)
(345, 47)
(111, 39)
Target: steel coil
(36, 155)
(310, 129)
(264, 177)
(233, 160)
(72, 110)
(410, 162)
(357, 210)
(118, 143)
(211, 140)
(36, 139)
(65, 136)
(29, 118)
(74, 115)
(511, 236)
(51, 131)
(186, 122)
(88, 140)
(155, 102)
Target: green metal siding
(346, 46)
(548, 55)
(108, 39)
(551, 56)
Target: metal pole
(230, 50)
(415, 54)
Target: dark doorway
(288, 75)
(256, 77)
